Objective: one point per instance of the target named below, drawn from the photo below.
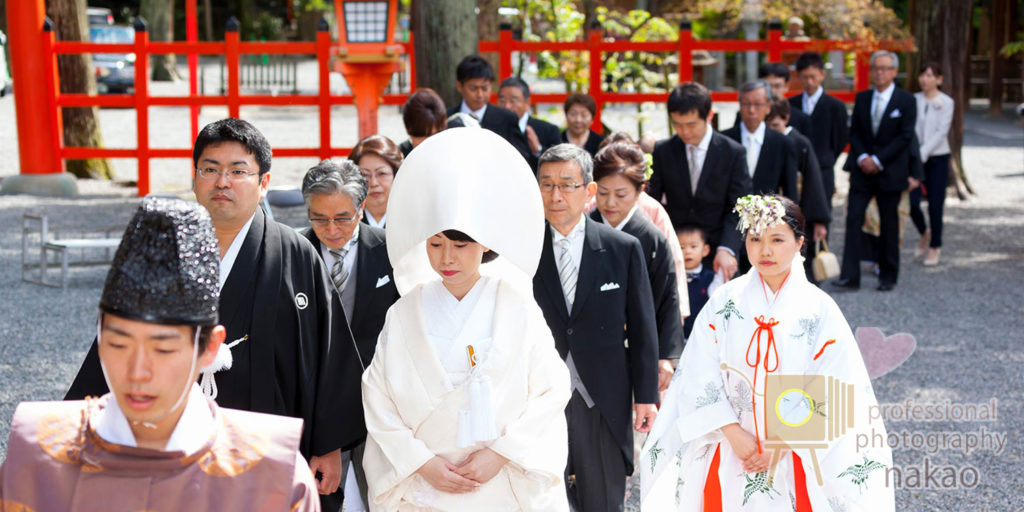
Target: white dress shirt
(576, 237)
(811, 101)
(348, 296)
(523, 121)
(229, 258)
(702, 148)
(753, 142)
(879, 97)
(478, 114)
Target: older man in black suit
(699, 174)
(881, 136)
(514, 95)
(357, 258)
(592, 281)
(771, 160)
(474, 78)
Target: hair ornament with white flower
(759, 213)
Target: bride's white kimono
(748, 343)
(417, 399)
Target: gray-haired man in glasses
(357, 258)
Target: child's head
(693, 241)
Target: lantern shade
(367, 21)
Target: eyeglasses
(209, 173)
(319, 222)
(748, 104)
(565, 188)
(882, 68)
(378, 174)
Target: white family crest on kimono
(416, 388)
(780, 365)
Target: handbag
(825, 264)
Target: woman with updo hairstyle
(772, 393)
(423, 115)
(580, 110)
(619, 170)
(378, 159)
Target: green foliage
(313, 5)
(1015, 47)
(267, 27)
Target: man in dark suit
(473, 79)
(771, 160)
(699, 175)
(357, 259)
(829, 127)
(777, 76)
(881, 135)
(592, 281)
(514, 95)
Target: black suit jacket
(828, 131)
(547, 133)
(503, 122)
(612, 291)
(892, 143)
(776, 165)
(813, 202)
(592, 144)
(661, 269)
(723, 180)
(375, 287)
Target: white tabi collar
(228, 260)
(190, 434)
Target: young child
(701, 281)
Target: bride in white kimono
(465, 396)
(770, 395)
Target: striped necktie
(339, 274)
(567, 273)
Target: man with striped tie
(592, 281)
(357, 258)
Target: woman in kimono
(619, 172)
(465, 397)
(770, 395)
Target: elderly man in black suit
(357, 258)
(777, 76)
(593, 289)
(881, 136)
(514, 95)
(699, 174)
(474, 78)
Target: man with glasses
(881, 135)
(514, 95)
(288, 349)
(771, 160)
(357, 257)
(592, 286)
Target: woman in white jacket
(934, 117)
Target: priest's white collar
(229, 258)
(193, 430)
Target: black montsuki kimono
(299, 360)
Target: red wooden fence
(323, 48)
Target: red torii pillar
(40, 164)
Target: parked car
(99, 16)
(115, 72)
(5, 77)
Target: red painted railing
(323, 47)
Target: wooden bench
(63, 248)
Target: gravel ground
(965, 314)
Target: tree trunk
(208, 19)
(997, 68)
(444, 32)
(940, 28)
(487, 29)
(159, 16)
(589, 8)
(81, 128)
